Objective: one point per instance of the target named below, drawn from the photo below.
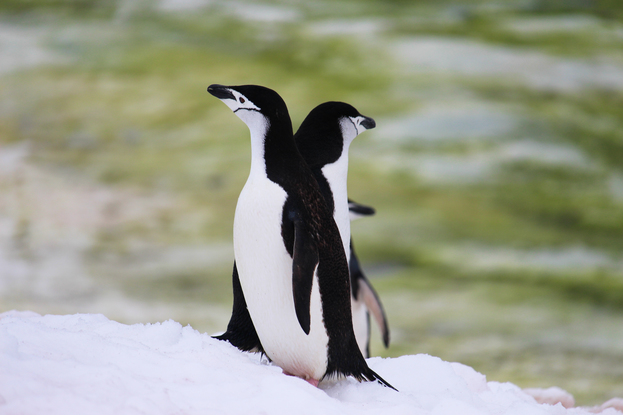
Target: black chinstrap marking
(247, 109)
(353, 123)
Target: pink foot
(313, 382)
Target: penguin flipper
(240, 330)
(358, 210)
(304, 262)
(363, 291)
(373, 303)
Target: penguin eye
(241, 100)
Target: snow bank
(87, 364)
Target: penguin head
(351, 122)
(253, 104)
(328, 130)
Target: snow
(86, 363)
(552, 395)
(438, 54)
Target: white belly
(265, 270)
(336, 174)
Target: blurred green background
(495, 168)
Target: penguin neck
(258, 162)
(336, 175)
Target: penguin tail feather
(220, 336)
(371, 375)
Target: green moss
(100, 8)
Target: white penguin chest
(336, 174)
(265, 271)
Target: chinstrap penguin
(362, 291)
(323, 140)
(290, 264)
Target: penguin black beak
(368, 123)
(221, 92)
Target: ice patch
(447, 122)
(248, 11)
(21, 48)
(263, 12)
(479, 166)
(425, 54)
(539, 25)
(182, 5)
(541, 152)
(451, 168)
(575, 258)
(341, 27)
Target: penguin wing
(358, 210)
(373, 303)
(304, 262)
(363, 291)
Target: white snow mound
(87, 364)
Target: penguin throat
(336, 175)
(349, 131)
(259, 126)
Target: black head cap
(251, 97)
(320, 138)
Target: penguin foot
(313, 382)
